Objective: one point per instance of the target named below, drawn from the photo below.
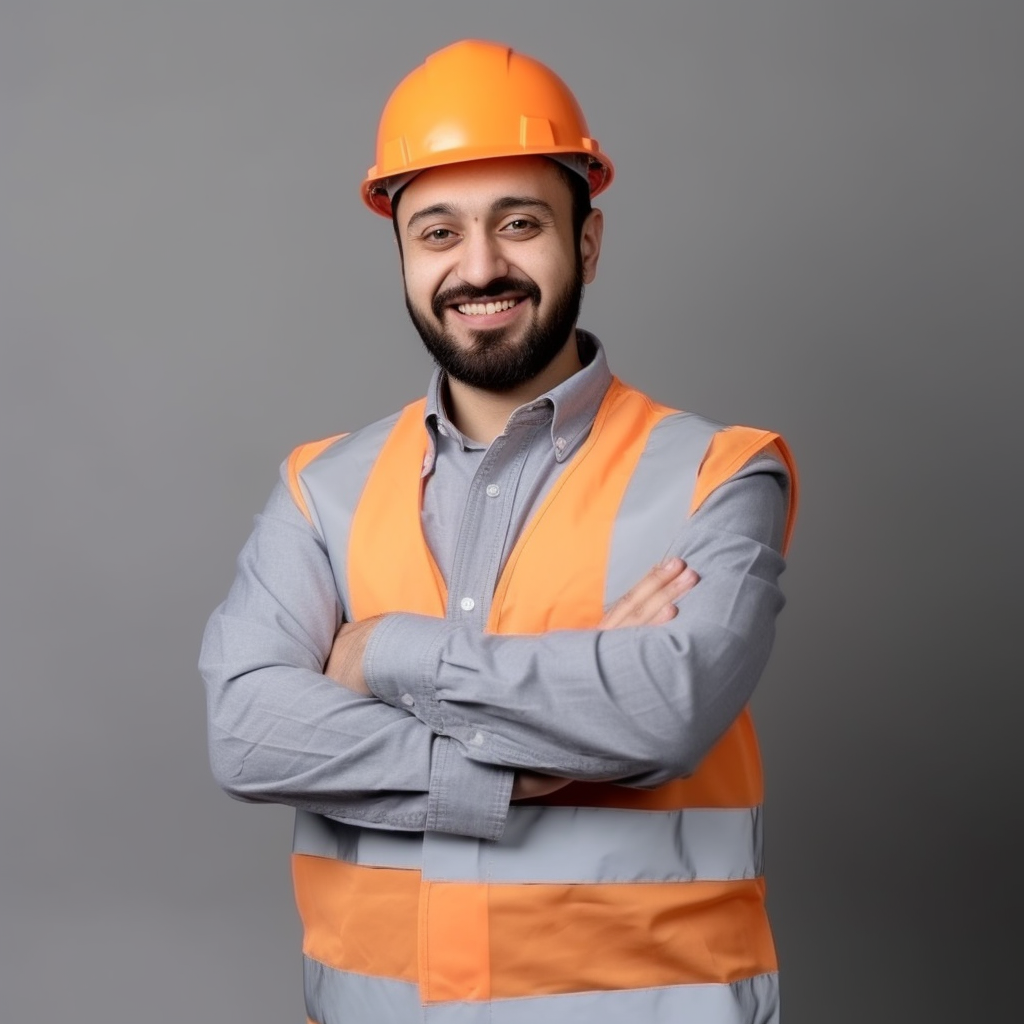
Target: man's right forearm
(281, 732)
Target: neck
(482, 415)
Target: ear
(590, 243)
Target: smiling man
(497, 648)
(494, 274)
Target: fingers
(530, 785)
(345, 661)
(652, 601)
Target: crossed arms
(651, 602)
(640, 699)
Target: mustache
(467, 293)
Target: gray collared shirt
(458, 710)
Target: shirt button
(478, 739)
(467, 604)
(408, 700)
(493, 490)
(560, 443)
(442, 430)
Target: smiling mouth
(485, 308)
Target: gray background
(816, 227)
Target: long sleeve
(280, 731)
(642, 705)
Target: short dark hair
(578, 186)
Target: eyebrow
(498, 206)
(438, 209)
(518, 202)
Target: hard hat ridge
(475, 100)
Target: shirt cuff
(400, 662)
(467, 798)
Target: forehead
(473, 187)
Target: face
(493, 272)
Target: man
(526, 784)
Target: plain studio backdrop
(816, 227)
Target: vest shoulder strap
(729, 451)
(299, 459)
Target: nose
(480, 259)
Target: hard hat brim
(374, 191)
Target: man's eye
(439, 235)
(519, 224)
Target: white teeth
(486, 308)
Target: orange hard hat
(474, 100)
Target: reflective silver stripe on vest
(560, 844)
(659, 493)
(321, 837)
(751, 1001)
(338, 997)
(332, 495)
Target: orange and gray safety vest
(601, 903)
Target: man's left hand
(345, 664)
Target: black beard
(494, 364)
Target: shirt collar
(572, 405)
